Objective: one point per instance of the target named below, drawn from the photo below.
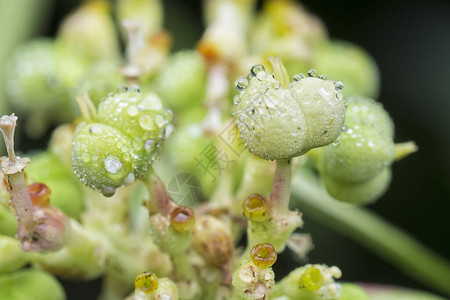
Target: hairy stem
(376, 234)
(279, 71)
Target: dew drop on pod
(357, 167)
(122, 142)
(281, 120)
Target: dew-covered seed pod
(349, 64)
(256, 208)
(263, 255)
(181, 81)
(212, 240)
(30, 284)
(356, 168)
(130, 127)
(37, 84)
(140, 116)
(281, 120)
(99, 162)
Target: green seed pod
(30, 284)
(89, 31)
(103, 157)
(356, 167)
(39, 76)
(11, 256)
(281, 120)
(181, 81)
(142, 118)
(350, 64)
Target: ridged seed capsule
(263, 255)
(146, 282)
(182, 218)
(256, 208)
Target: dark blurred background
(410, 41)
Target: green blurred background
(410, 41)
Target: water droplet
(317, 98)
(339, 96)
(327, 88)
(149, 145)
(169, 114)
(134, 88)
(112, 164)
(85, 157)
(110, 95)
(132, 110)
(298, 77)
(160, 120)
(344, 128)
(241, 84)
(256, 69)
(123, 89)
(250, 77)
(286, 94)
(129, 179)
(336, 143)
(323, 77)
(325, 134)
(146, 122)
(151, 102)
(169, 130)
(236, 100)
(108, 191)
(95, 129)
(261, 76)
(338, 86)
(371, 144)
(276, 85)
(312, 73)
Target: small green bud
(89, 31)
(181, 81)
(30, 284)
(263, 255)
(256, 208)
(281, 120)
(39, 76)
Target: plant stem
(376, 234)
(157, 192)
(281, 188)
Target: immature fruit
(181, 81)
(356, 168)
(118, 148)
(279, 120)
(263, 255)
(146, 282)
(38, 82)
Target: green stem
(376, 234)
